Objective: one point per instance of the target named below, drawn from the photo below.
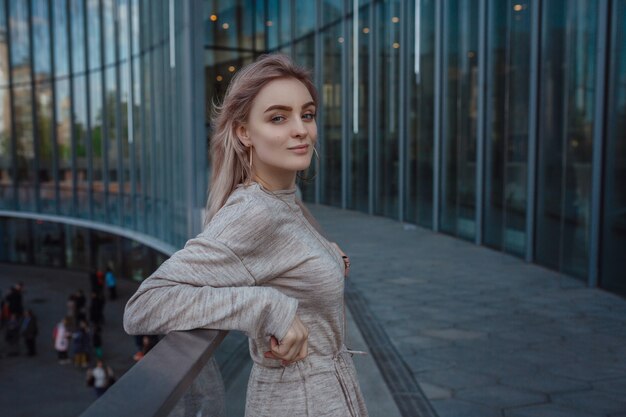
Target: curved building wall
(97, 114)
(496, 121)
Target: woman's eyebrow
(287, 108)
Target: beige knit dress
(257, 264)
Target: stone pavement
(480, 332)
(39, 386)
(484, 333)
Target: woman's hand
(293, 347)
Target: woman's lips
(300, 149)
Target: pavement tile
(454, 334)
(456, 378)
(434, 392)
(544, 332)
(458, 408)
(419, 363)
(592, 401)
(617, 386)
(500, 396)
(588, 371)
(547, 410)
(544, 382)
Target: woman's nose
(299, 129)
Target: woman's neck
(271, 183)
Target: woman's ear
(242, 133)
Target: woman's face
(282, 130)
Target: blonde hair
(229, 156)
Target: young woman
(260, 266)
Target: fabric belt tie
(336, 363)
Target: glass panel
(94, 48)
(158, 34)
(231, 23)
(48, 243)
(77, 247)
(6, 149)
(330, 135)
(333, 10)
(19, 241)
(79, 85)
(124, 80)
(147, 118)
(306, 11)
(614, 214)
(305, 56)
(138, 138)
(104, 249)
(565, 134)
(111, 112)
(22, 104)
(63, 121)
(387, 90)
(42, 66)
(278, 25)
(458, 170)
(359, 126)
(507, 125)
(421, 99)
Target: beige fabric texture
(256, 264)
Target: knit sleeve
(207, 285)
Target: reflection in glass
(460, 102)
(111, 113)
(331, 134)
(48, 244)
(387, 112)
(62, 103)
(18, 241)
(79, 94)
(22, 102)
(360, 103)
(6, 149)
(613, 261)
(421, 99)
(278, 25)
(44, 124)
(565, 134)
(138, 139)
(124, 96)
(305, 56)
(94, 49)
(507, 126)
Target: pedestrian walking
(12, 335)
(61, 337)
(80, 303)
(111, 283)
(15, 300)
(96, 340)
(96, 308)
(80, 345)
(29, 332)
(100, 377)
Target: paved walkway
(483, 333)
(39, 386)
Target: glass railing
(162, 382)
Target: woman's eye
(309, 116)
(277, 119)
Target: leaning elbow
(130, 325)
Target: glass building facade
(502, 122)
